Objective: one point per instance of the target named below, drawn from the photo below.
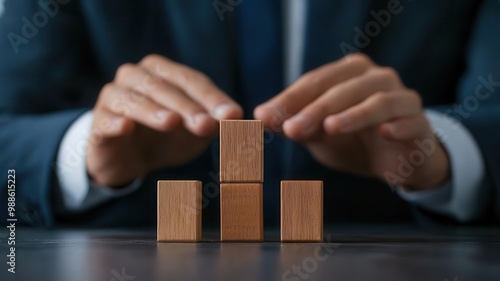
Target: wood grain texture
(241, 212)
(301, 211)
(179, 211)
(241, 151)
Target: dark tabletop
(350, 252)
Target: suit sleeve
(478, 103)
(43, 71)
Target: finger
(139, 108)
(196, 119)
(108, 125)
(406, 129)
(377, 108)
(309, 87)
(342, 96)
(196, 85)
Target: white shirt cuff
(461, 198)
(78, 192)
(294, 31)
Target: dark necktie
(260, 51)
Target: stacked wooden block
(241, 178)
(241, 195)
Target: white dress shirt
(1, 7)
(460, 198)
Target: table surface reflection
(350, 252)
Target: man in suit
(102, 98)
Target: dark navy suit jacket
(50, 76)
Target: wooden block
(241, 212)
(179, 211)
(301, 211)
(241, 151)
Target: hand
(155, 114)
(356, 116)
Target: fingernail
(222, 111)
(305, 124)
(344, 122)
(117, 124)
(392, 130)
(279, 114)
(160, 116)
(198, 118)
